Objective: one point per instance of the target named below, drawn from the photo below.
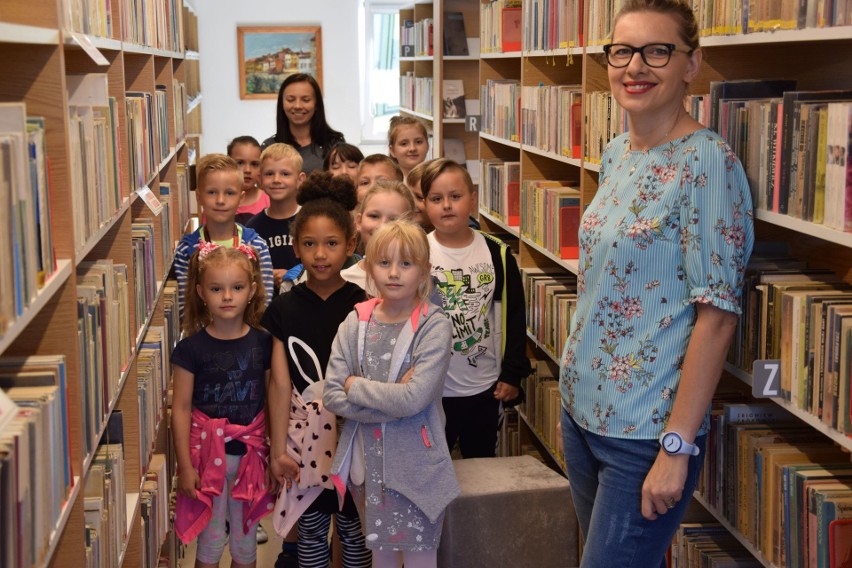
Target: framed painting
(268, 55)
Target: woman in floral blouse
(664, 245)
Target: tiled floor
(267, 553)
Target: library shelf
(758, 555)
(62, 520)
(499, 140)
(543, 348)
(552, 155)
(454, 121)
(813, 229)
(570, 264)
(592, 49)
(191, 55)
(93, 240)
(501, 55)
(814, 422)
(541, 442)
(32, 35)
(780, 36)
(494, 220)
(51, 286)
(591, 166)
(87, 461)
(132, 510)
(105, 43)
(561, 52)
(193, 104)
(461, 58)
(422, 115)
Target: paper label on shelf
(766, 378)
(87, 45)
(150, 199)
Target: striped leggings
(313, 540)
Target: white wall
(224, 114)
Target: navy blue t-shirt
(229, 376)
(276, 233)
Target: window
(380, 65)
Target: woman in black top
(300, 121)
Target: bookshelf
(422, 75)
(818, 58)
(44, 53)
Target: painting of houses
(268, 55)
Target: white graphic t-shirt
(465, 282)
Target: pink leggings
(211, 541)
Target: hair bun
(323, 185)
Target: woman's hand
(663, 486)
(284, 470)
(188, 482)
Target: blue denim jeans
(606, 476)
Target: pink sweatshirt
(207, 439)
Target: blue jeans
(606, 476)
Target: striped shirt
(187, 247)
(668, 228)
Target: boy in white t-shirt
(483, 296)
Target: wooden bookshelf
(38, 54)
(439, 67)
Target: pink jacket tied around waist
(207, 438)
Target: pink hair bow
(206, 247)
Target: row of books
(91, 17)
(552, 118)
(415, 93)
(145, 136)
(543, 405)
(550, 215)
(802, 317)
(499, 193)
(104, 497)
(794, 146)
(154, 24)
(103, 331)
(152, 374)
(190, 28)
(734, 17)
(179, 102)
(96, 190)
(551, 298)
(27, 256)
(143, 247)
(154, 507)
(33, 424)
(605, 119)
(774, 483)
(416, 39)
(501, 108)
(709, 545)
(500, 26)
(192, 78)
(552, 24)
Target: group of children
(415, 340)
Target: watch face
(672, 443)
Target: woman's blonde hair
(196, 315)
(411, 243)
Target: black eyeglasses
(653, 54)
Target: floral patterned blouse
(668, 228)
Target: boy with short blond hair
(280, 176)
(219, 192)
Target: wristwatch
(674, 444)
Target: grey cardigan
(416, 460)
